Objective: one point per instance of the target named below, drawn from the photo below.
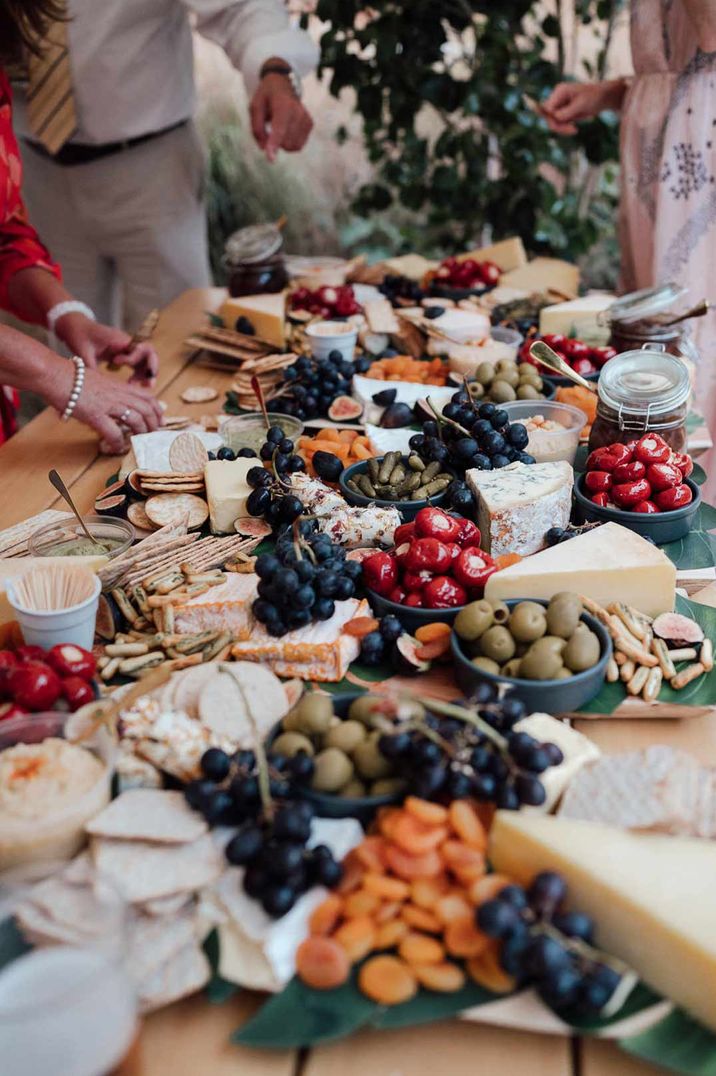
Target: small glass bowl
(49, 541)
(548, 446)
(249, 430)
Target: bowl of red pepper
(643, 485)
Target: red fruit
(576, 349)
(645, 508)
(398, 595)
(629, 472)
(652, 449)
(434, 523)
(414, 601)
(602, 355)
(380, 573)
(428, 553)
(414, 582)
(403, 533)
(627, 494)
(597, 481)
(601, 499)
(676, 497)
(70, 660)
(8, 661)
(683, 461)
(401, 552)
(34, 685)
(490, 274)
(11, 709)
(556, 341)
(454, 550)
(473, 568)
(469, 533)
(664, 476)
(76, 691)
(607, 458)
(442, 592)
(30, 653)
(583, 366)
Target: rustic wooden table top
(192, 1036)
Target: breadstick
(627, 671)
(706, 656)
(630, 622)
(637, 654)
(621, 659)
(691, 672)
(652, 687)
(687, 653)
(659, 647)
(638, 680)
(612, 673)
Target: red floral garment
(20, 246)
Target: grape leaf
(12, 943)
(698, 548)
(218, 990)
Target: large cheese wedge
(652, 896)
(226, 492)
(507, 254)
(413, 266)
(518, 504)
(267, 314)
(15, 566)
(578, 317)
(545, 274)
(607, 564)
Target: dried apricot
(369, 854)
(428, 633)
(392, 889)
(445, 977)
(360, 626)
(451, 907)
(322, 963)
(421, 919)
(324, 918)
(462, 938)
(356, 936)
(360, 903)
(432, 814)
(353, 872)
(387, 980)
(487, 888)
(390, 934)
(465, 862)
(433, 650)
(416, 948)
(415, 836)
(426, 892)
(410, 867)
(467, 825)
(486, 971)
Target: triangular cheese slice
(651, 896)
(607, 564)
(267, 314)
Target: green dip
(82, 547)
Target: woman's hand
(570, 102)
(96, 343)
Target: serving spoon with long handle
(65, 494)
(697, 311)
(549, 358)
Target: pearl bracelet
(76, 388)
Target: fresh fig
(404, 657)
(111, 506)
(385, 397)
(345, 409)
(397, 415)
(677, 631)
(327, 466)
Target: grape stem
(261, 759)
(589, 953)
(441, 420)
(469, 717)
(277, 476)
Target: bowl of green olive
(553, 655)
(349, 776)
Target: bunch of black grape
(478, 435)
(547, 947)
(401, 287)
(270, 844)
(557, 535)
(301, 581)
(271, 496)
(453, 758)
(311, 385)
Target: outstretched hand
(278, 119)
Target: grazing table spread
(194, 1033)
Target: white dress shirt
(133, 66)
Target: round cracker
(137, 515)
(187, 454)
(165, 509)
(199, 394)
(188, 685)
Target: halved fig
(111, 506)
(404, 656)
(677, 630)
(109, 618)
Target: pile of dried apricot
(349, 445)
(406, 368)
(409, 895)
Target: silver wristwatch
(288, 72)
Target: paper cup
(47, 629)
(328, 336)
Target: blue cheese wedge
(227, 491)
(518, 504)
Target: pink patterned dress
(668, 166)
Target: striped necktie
(51, 114)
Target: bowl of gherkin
(396, 481)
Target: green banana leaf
(676, 1043)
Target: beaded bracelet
(76, 388)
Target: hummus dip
(48, 791)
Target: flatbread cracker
(188, 685)
(149, 814)
(199, 394)
(185, 973)
(141, 871)
(137, 515)
(238, 711)
(187, 453)
(166, 508)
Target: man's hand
(97, 343)
(278, 119)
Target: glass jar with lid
(640, 392)
(254, 260)
(634, 322)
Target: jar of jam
(254, 261)
(639, 392)
(634, 323)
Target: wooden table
(191, 1036)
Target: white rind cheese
(578, 751)
(517, 505)
(407, 392)
(607, 564)
(651, 896)
(227, 491)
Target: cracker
(166, 905)
(153, 940)
(149, 815)
(185, 973)
(187, 453)
(188, 686)
(199, 394)
(142, 871)
(238, 713)
(137, 515)
(167, 508)
(169, 476)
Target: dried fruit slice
(322, 963)
(325, 917)
(387, 980)
(445, 978)
(416, 948)
(357, 937)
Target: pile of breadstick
(642, 661)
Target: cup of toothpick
(56, 604)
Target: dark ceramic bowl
(542, 696)
(327, 805)
(661, 527)
(408, 509)
(411, 618)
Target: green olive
(582, 651)
(528, 372)
(511, 376)
(563, 617)
(498, 644)
(527, 392)
(370, 763)
(355, 789)
(528, 622)
(511, 668)
(387, 786)
(474, 620)
(477, 391)
(346, 735)
(568, 597)
(289, 744)
(363, 709)
(500, 612)
(292, 721)
(315, 711)
(333, 770)
(531, 378)
(485, 373)
(564, 674)
(552, 642)
(502, 392)
(540, 664)
(487, 665)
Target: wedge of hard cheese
(17, 566)
(224, 608)
(267, 314)
(607, 564)
(652, 896)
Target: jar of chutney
(635, 322)
(254, 262)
